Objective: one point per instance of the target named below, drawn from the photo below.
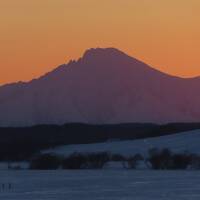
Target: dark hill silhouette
(105, 86)
(24, 142)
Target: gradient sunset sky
(38, 35)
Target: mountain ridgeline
(105, 86)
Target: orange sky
(38, 35)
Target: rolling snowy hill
(186, 141)
(104, 86)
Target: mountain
(104, 86)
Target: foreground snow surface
(100, 185)
(185, 141)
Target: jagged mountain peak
(102, 51)
(104, 54)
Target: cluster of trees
(157, 159)
(82, 161)
(165, 159)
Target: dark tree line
(157, 159)
(81, 161)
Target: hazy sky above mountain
(38, 35)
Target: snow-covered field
(186, 141)
(118, 184)
(100, 185)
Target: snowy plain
(109, 184)
(100, 185)
(186, 141)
